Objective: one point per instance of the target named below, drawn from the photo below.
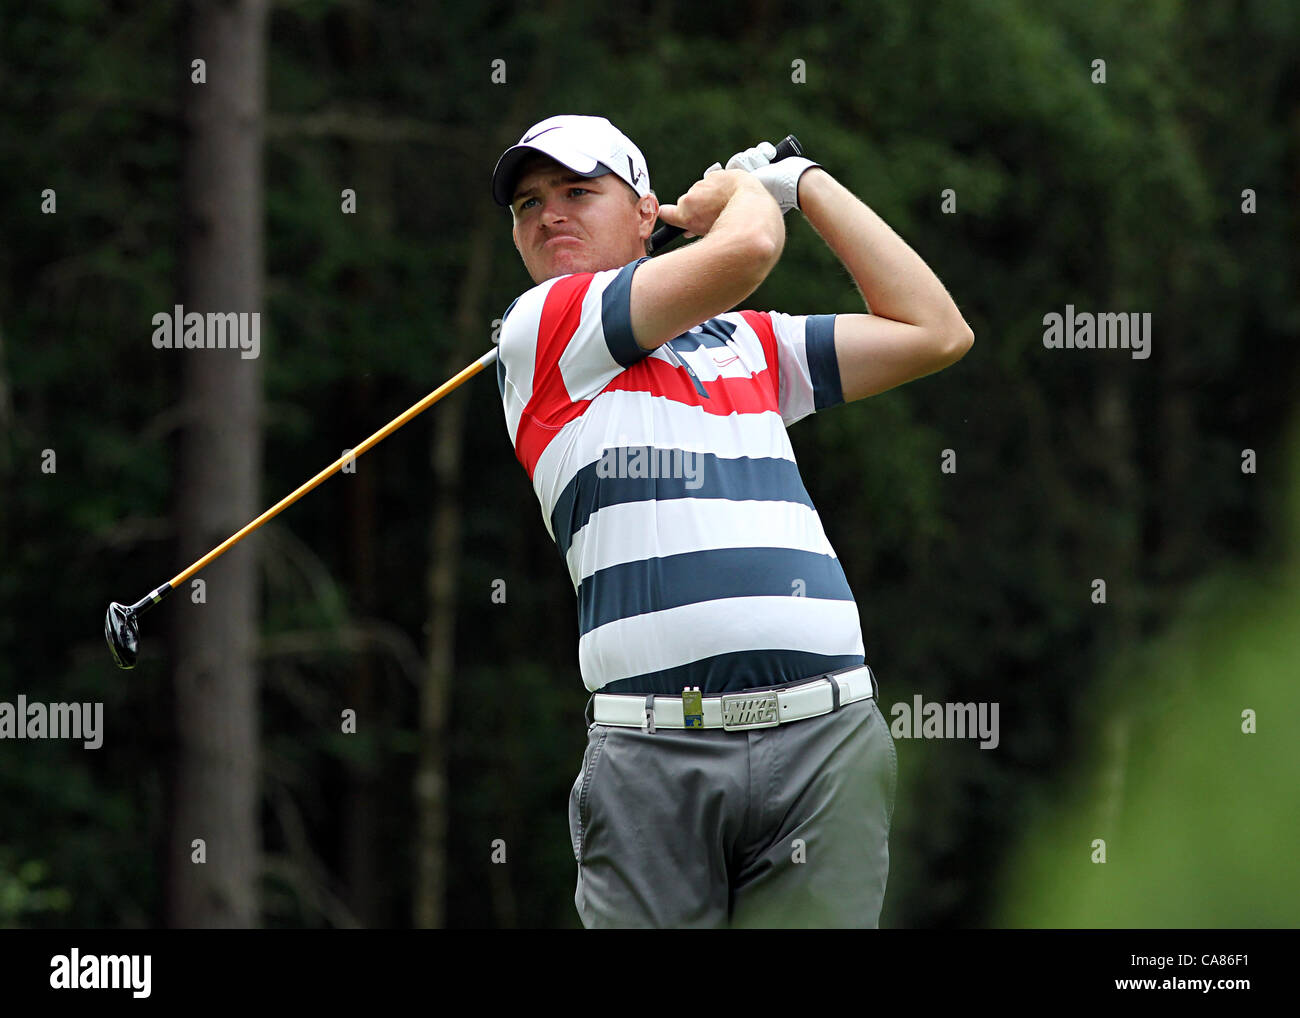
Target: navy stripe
(762, 480)
(654, 584)
(823, 365)
(616, 317)
(733, 672)
(715, 332)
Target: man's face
(566, 223)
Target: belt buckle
(692, 707)
(742, 711)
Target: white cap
(589, 146)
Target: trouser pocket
(892, 788)
(580, 794)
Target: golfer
(738, 769)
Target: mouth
(561, 238)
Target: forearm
(751, 219)
(743, 234)
(894, 281)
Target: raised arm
(742, 235)
(914, 328)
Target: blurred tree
(973, 586)
(1201, 829)
(216, 778)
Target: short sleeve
(808, 371)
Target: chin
(564, 266)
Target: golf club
(122, 622)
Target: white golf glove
(781, 178)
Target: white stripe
(634, 531)
(744, 355)
(750, 344)
(619, 419)
(678, 636)
(513, 405)
(585, 364)
(792, 355)
(518, 352)
(519, 338)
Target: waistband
(756, 707)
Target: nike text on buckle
(753, 710)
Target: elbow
(958, 341)
(762, 250)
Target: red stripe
(532, 436)
(550, 407)
(752, 395)
(761, 323)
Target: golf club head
(122, 631)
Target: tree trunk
(370, 174)
(444, 563)
(215, 780)
(363, 793)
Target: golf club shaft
(151, 599)
(788, 146)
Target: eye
(524, 204)
(579, 190)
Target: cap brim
(503, 177)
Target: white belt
(736, 711)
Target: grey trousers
(771, 827)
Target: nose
(551, 214)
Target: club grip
(788, 146)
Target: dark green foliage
(972, 587)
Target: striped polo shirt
(669, 485)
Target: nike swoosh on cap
(540, 133)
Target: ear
(648, 214)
